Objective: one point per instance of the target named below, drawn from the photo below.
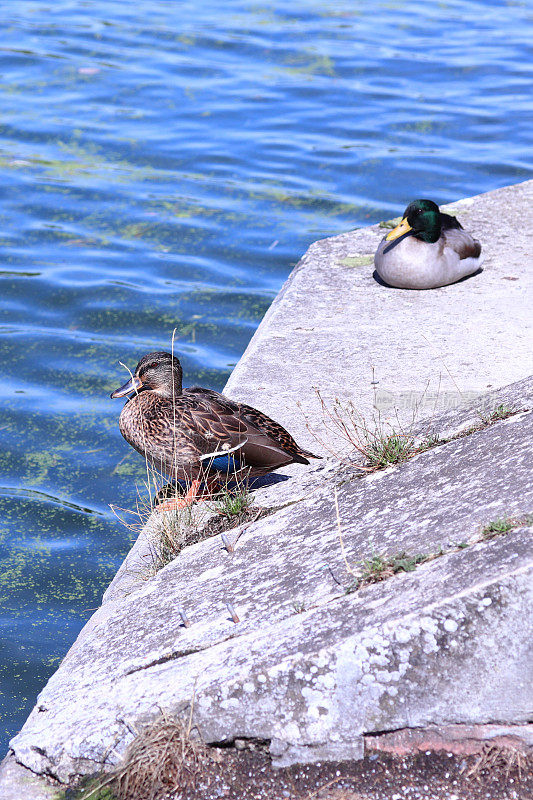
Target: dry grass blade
(340, 426)
(161, 758)
(495, 758)
(370, 446)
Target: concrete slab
(395, 352)
(445, 644)
(311, 665)
(19, 783)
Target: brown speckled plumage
(179, 429)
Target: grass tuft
(502, 411)
(430, 441)
(169, 530)
(379, 568)
(505, 524)
(162, 757)
(378, 445)
(177, 530)
(497, 527)
(383, 450)
(232, 502)
(497, 759)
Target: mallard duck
(426, 250)
(181, 431)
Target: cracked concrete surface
(309, 667)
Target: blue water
(164, 165)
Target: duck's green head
(161, 372)
(421, 219)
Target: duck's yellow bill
(399, 230)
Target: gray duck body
(428, 249)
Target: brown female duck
(180, 431)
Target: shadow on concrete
(388, 285)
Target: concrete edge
(133, 570)
(459, 740)
(20, 783)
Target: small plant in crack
(299, 606)
(234, 502)
(372, 445)
(431, 441)
(233, 506)
(505, 524)
(379, 568)
(503, 411)
(383, 450)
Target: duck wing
(203, 421)
(462, 243)
(458, 239)
(266, 444)
(447, 222)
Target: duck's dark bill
(133, 385)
